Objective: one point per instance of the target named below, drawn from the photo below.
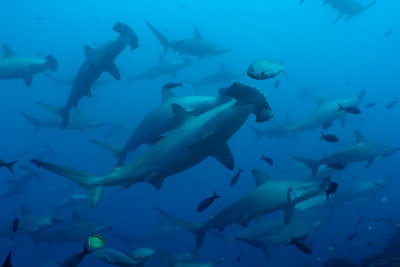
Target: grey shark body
(19, 184)
(327, 112)
(347, 7)
(97, 61)
(269, 196)
(222, 76)
(193, 140)
(163, 68)
(362, 151)
(76, 122)
(71, 202)
(194, 47)
(161, 120)
(182, 257)
(116, 257)
(15, 67)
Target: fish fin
(173, 74)
(380, 157)
(161, 38)
(155, 181)
(288, 213)
(245, 222)
(259, 133)
(88, 50)
(166, 95)
(8, 52)
(343, 120)
(313, 164)
(28, 80)
(285, 74)
(261, 178)
(181, 116)
(224, 155)
(260, 244)
(362, 10)
(24, 211)
(360, 138)
(338, 17)
(320, 100)
(161, 59)
(112, 69)
(60, 111)
(221, 67)
(197, 34)
(10, 166)
(117, 151)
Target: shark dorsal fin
(166, 95)
(260, 178)
(288, 121)
(161, 58)
(320, 100)
(197, 34)
(77, 112)
(75, 217)
(24, 210)
(172, 260)
(222, 67)
(88, 50)
(360, 138)
(8, 52)
(181, 116)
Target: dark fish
(337, 166)
(379, 220)
(331, 189)
(329, 137)
(77, 258)
(360, 220)
(370, 105)
(351, 110)
(207, 202)
(15, 223)
(277, 84)
(267, 160)
(388, 33)
(327, 125)
(391, 104)
(350, 237)
(7, 262)
(300, 245)
(8, 165)
(347, 83)
(172, 85)
(236, 177)
(238, 258)
(370, 244)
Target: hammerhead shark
(349, 7)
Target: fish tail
(322, 137)
(117, 151)
(161, 37)
(10, 166)
(36, 123)
(340, 107)
(180, 84)
(86, 180)
(215, 195)
(62, 111)
(259, 133)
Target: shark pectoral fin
(88, 50)
(224, 155)
(369, 163)
(245, 222)
(173, 74)
(288, 213)
(155, 181)
(380, 157)
(94, 195)
(342, 120)
(112, 69)
(28, 80)
(338, 17)
(181, 116)
(166, 95)
(157, 139)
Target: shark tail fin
(361, 10)
(8, 165)
(84, 179)
(194, 84)
(129, 77)
(52, 63)
(62, 111)
(361, 95)
(117, 151)
(36, 123)
(260, 244)
(194, 228)
(161, 37)
(259, 133)
(313, 164)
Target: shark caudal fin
(62, 111)
(36, 123)
(129, 77)
(53, 79)
(194, 228)
(8, 165)
(361, 10)
(86, 180)
(161, 38)
(313, 164)
(259, 133)
(194, 84)
(52, 63)
(260, 244)
(117, 151)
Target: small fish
(95, 241)
(379, 220)
(350, 237)
(360, 220)
(172, 85)
(15, 223)
(327, 125)
(337, 166)
(331, 189)
(236, 177)
(7, 262)
(370, 244)
(207, 202)
(329, 137)
(370, 105)
(277, 84)
(388, 33)
(300, 245)
(384, 199)
(238, 258)
(267, 160)
(369, 227)
(351, 110)
(391, 104)
(264, 69)
(347, 83)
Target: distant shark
(14, 67)
(349, 7)
(362, 151)
(161, 120)
(71, 201)
(194, 47)
(97, 61)
(163, 68)
(221, 76)
(193, 140)
(77, 122)
(326, 113)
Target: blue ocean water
(339, 61)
